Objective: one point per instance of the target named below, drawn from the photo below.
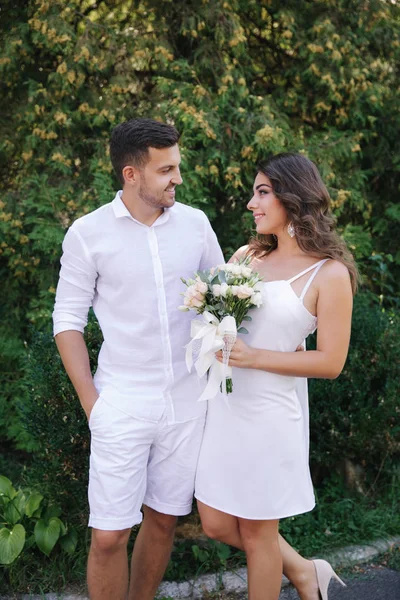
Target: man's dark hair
(130, 142)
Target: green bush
(54, 420)
(239, 78)
(356, 416)
(29, 521)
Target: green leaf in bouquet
(242, 330)
(215, 280)
(203, 276)
(11, 543)
(221, 277)
(47, 534)
(6, 487)
(210, 308)
(33, 504)
(69, 541)
(247, 318)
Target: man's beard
(152, 200)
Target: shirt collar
(120, 210)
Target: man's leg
(120, 447)
(169, 494)
(151, 554)
(107, 573)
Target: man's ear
(130, 174)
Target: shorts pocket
(94, 410)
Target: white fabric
(130, 274)
(134, 462)
(254, 457)
(213, 335)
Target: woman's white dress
(254, 457)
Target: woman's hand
(242, 355)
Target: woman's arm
(334, 309)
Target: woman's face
(269, 215)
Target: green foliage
(53, 418)
(205, 556)
(28, 521)
(342, 518)
(240, 79)
(356, 416)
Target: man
(125, 259)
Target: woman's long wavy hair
(297, 184)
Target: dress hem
(269, 518)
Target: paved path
(377, 583)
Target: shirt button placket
(162, 309)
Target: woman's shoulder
(334, 272)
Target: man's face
(159, 177)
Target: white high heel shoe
(325, 573)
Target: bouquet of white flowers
(223, 295)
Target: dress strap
(311, 278)
(318, 264)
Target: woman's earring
(291, 230)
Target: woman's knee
(216, 524)
(214, 531)
(256, 533)
(108, 542)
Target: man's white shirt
(130, 274)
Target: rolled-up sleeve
(212, 253)
(76, 285)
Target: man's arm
(75, 358)
(75, 291)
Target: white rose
(244, 291)
(246, 271)
(256, 299)
(234, 290)
(196, 303)
(224, 289)
(201, 287)
(216, 290)
(190, 291)
(236, 269)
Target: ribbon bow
(213, 335)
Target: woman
(253, 466)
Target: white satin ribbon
(211, 332)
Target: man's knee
(161, 524)
(108, 542)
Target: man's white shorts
(135, 462)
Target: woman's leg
(225, 528)
(220, 526)
(259, 540)
(299, 571)
(264, 560)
